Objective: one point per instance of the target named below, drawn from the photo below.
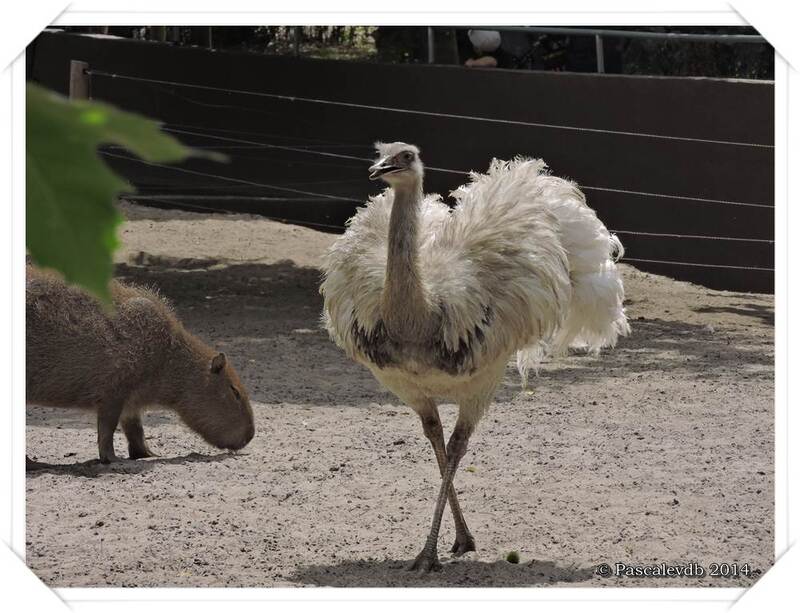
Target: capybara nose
(249, 433)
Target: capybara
(118, 361)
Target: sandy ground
(658, 451)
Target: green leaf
(71, 193)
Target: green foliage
(71, 214)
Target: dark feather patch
(382, 351)
(376, 345)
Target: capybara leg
(137, 448)
(107, 420)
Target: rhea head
(397, 164)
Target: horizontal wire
(245, 197)
(248, 147)
(269, 146)
(209, 186)
(134, 197)
(715, 238)
(259, 146)
(464, 172)
(637, 34)
(308, 122)
(323, 197)
(242, 197)
(232, 179)
(355, 105)
(676, 197)
(321, 141)
(298, 149)
(627, 259)
(277, 159)
(166, 201)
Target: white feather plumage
(519, 241)
(435, 301)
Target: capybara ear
(218, 363)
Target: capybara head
(216, 406)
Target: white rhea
(435, 301)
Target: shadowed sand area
(658, 451)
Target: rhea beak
(380, 168)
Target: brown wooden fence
(681, 168)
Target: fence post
(431, 52)
(79, 80)
(601, 60)
(298, 33)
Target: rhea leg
(132, 427)
(107, 420)
(428, 558)
(432, 427)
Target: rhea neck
(404, 307)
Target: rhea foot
(425, 562)
(464, 543)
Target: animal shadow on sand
(765, 313)
(254, 311)
(456, 573)
(249, 307)
(689, 350)
(95, 468)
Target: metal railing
(600, 33)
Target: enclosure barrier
(681, 169)
(600, 34)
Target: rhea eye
(236, 393)
(408, 156)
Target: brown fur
(118, 362)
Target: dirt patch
(658, 451)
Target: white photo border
(170, 12)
